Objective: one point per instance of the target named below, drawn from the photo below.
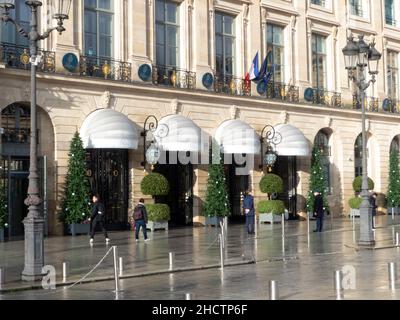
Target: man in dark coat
(97, 218)
(141, 219)
(248, 207)
(374, 207)
(319, 210)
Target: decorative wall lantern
(271, 138)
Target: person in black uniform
(97, 218)
(319, 210)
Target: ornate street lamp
(34, 222)
(356, 61)
(272, 139)
(152, 154)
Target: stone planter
(269, 217)
(395, 209)
(354, 212)
(157, 225)
(214, 221)
(1, 235)
(78, 228)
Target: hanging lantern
(153, 155)
(270, 158)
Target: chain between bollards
(273, 290)
(392, 269)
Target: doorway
(237, 186)
(107, 170)
(180, 196)
(286, 168)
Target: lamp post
(358, 55)
(272, 139)
(34, 222)
(152, 154)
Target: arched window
(322, 143)
(8, 32)
(395, 145)
(15, 121)
(358, 155)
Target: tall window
(8, 32)
(225, 43)
(319, 61)
(356, 8)
(319, 2)
(358, 155)
(167, 33)
(393, 74)
(99, 28)
(322, 143)
(275, 50)
(389, 12)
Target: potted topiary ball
(271, 210)
(156, 184)
(355, 202)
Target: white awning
(109, 129)
(237, 137)
(178, 133)
(293, 143)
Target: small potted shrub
(154, 185)
(158, 215)
(271, 210)
(355, 202)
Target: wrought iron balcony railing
(231, 85)
(106, 68)
(14, 135)
(326, 98)
(18, 57)
(371, 103)
(173, 77)
(391, 105)
(280, 91)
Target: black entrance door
(180, 197)
(108, 177)
(286, 168)
(237, 185)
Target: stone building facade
(204, 81)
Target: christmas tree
(317, 180)
(394, 180)
(76, 202)
(217, 199)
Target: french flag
(254, 71)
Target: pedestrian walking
(140, 217)
(248, 207)
(372, 201)
(319, 210)
(98, 218)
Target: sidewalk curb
(127, 276)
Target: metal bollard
(397, 239)
(283, 226)
(354, 221)
(338, 284)
(115, 251)
(223, 234)
(171, 261)
(273, 290)
(2, 277)
(121, 266)
(189, 296)
(392, 268)
(221, 251)
(392, 214)
(65, 274)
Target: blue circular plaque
(208, 80)
(144, 72)
(387, 105)
(308, 94)
(262, 87)
(70, 62)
